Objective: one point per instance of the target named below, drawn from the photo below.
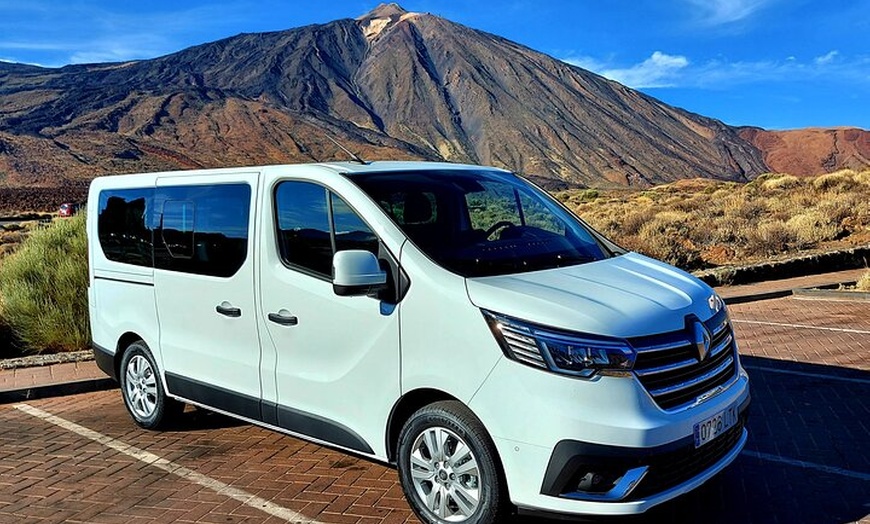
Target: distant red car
(67, 209)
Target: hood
(626, 296)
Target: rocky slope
(806, 152)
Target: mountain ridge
(389, 84)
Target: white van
(453, 321)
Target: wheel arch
(409, 403)
(123, 343)
(402, 411)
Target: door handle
(228, 310)
(284, 318)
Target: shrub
(813, 227)
(783, 181)
(864, 282)
(634, 220)
(738, 205)
(727, 222)
(838, 209)
(770, 238)
(43, 288)
(838, 180)
(586, 195)
(667, 237)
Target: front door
(336, 359)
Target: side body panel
(120, 296)
(446, 344)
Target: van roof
(392, 165)
(339, 168)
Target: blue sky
(777, 64)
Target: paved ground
(784, 286)
(79, 458)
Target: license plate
(708, 429)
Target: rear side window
(191, 229)
(124, 225)
(314, 223)
(202, 229)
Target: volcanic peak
(380, 18)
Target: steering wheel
(498, 225)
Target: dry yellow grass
(864, 283)
(697, 224)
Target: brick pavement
(37, 376)
(48, 474)
(810, 407)
(767, 329)
(26, 383)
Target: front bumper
(660, 469)
(546, 427)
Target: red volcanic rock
(813, 151)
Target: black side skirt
(270, 413)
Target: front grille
(669, 368)
(673, 468)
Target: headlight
(574, 354)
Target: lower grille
(574, 463)
(672, 469)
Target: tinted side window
(314, 223)
(303, 226)
(124, 225)
(177, 230)
(350, 231)
(202, 229)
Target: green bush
(44, 288)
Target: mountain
(805, 152)
(388, 85)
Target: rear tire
(142, 389)
(448, 467)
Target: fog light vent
(598, 481)
(606, 485)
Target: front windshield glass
(481, 223)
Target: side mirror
(356, 272)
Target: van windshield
(481, 223)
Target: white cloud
(105, 55)
(586, 62)
(120, 48)
(719, 12)
(659, 70)
(827, 58)
(662, 71)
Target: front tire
(448, 467)
(142, 389)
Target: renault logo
(702, 339)
(715, 303)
